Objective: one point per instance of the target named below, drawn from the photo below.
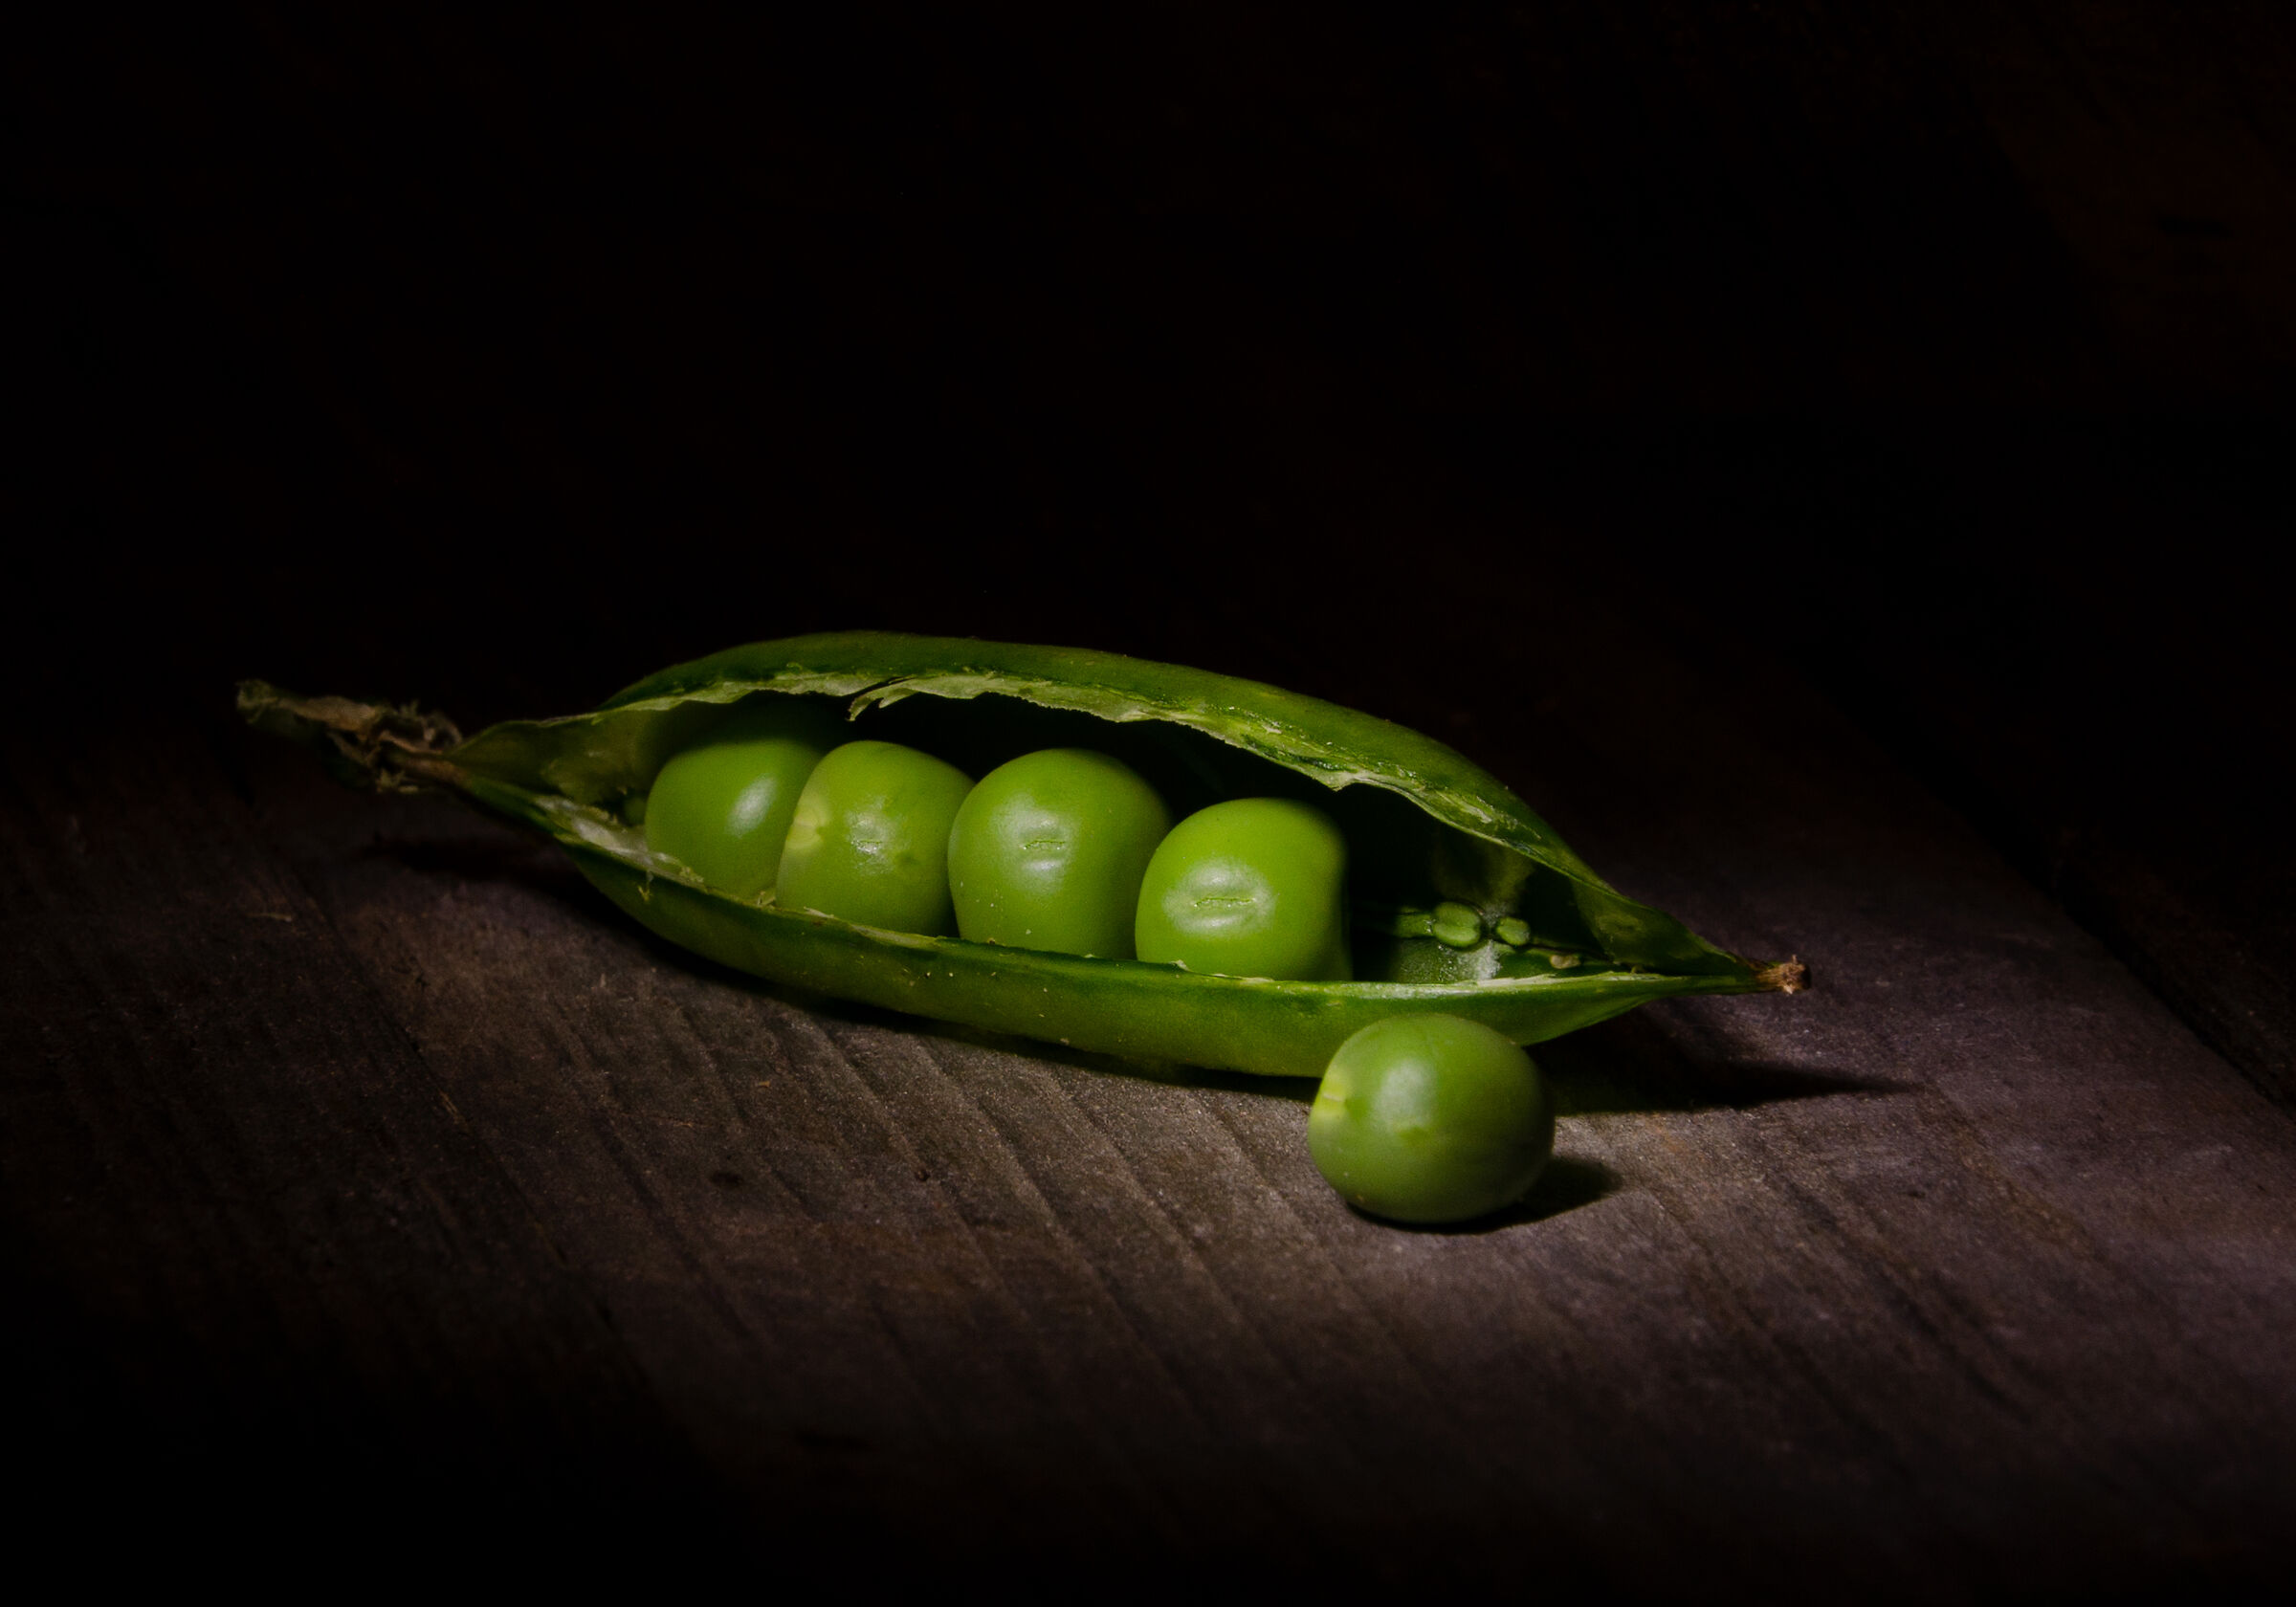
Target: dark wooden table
(1809, 456)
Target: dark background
(1931, 363)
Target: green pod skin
(869, 841)
(722, 807)
(1430, 1118)
(1253, 886)
(1551, 946)
(1048, 849)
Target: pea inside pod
(1048, 850)
(1531, 942)
(869, 839)
(723, 805)
(1250, 888)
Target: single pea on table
(1401, 938)
(1431, 1119)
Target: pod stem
(1787, 976)
(373, 746)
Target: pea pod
(1467, 903)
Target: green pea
(722, 806)
(870, 840)
(1253, 886)
(1456, 926)
(1048, 850)
(1430, 1118)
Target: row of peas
(1421, 1117)
(1065, 850)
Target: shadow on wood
(1631, 1064)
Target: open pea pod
(1465, 901)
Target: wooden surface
(1799, 452)
(1973, 1258)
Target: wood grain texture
(240, 1213)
